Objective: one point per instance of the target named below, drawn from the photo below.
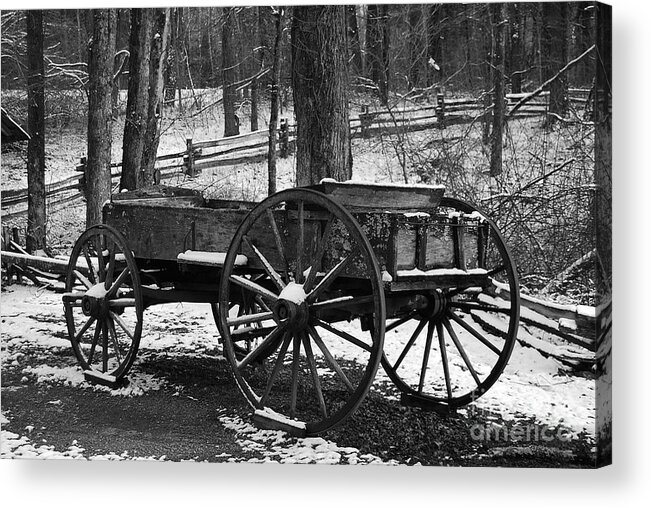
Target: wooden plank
(52, 265)
(363, 196)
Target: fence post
(440, 109)
(284, 138)
(190, 164)
(365, 119)
(81, 167)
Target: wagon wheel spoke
(428, 348)
(114, 339)
(277, 366)
(344, 335)
(474, 333)
(83, 329)
(330, 277)
(262, 347)
(273, 275)
(410, 343)
(98, 331)
(92, 273)
(316, 261)
(296, 357)
(315, 374)
(82, 279)
(105, 348)
(279, 242)
(460, 348)
(121, 279)
(328, 355)
(122, 324)
(254, 288)
(444, 359)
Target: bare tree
(36, 215)
(554, 53)
(497, 68)
(377, 37)
(320, 82)
(229, 70)
(100, 70)
(155, 104)
(135, 124)
(275, 82)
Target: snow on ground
(532, 386)
(277, 446)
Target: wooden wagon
(311, 290)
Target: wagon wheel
(103, 302)
(453, 349)
(305, 246)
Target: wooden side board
(157, 229)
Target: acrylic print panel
(417, 269)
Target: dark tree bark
(554, 53)
(100, 85)
(603, 147)
(515, 47)
(135, 124)
(435, 40)
(416, 44)
(353, 40)
(497, 68)
(229, 71)
(377, 44)
(258, 56)
(273, 121)
(320, 83)
(36, 215)
(159, 44)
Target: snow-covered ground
(33, 330)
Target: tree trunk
(554, 53)
(497, 66)
(435, 40)
(100, 84)
(516, 47)
(135, 124)
(229, 71)
(159, 43)
(320, 83)
(273, 121)
(353, 39)
(378, 49)
(603, 148)
(36, 216)
(417, 52)
(258, 56)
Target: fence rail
(253, 146)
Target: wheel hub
(291, 307)
(437, 304)
(94, 303)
